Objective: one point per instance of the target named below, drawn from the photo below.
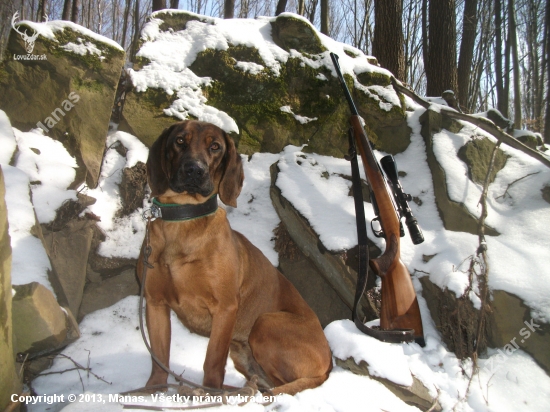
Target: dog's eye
(180, 140)
(215, 147)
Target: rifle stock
(399, 305)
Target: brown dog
(215, 280)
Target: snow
(48, 30)
(509, 380)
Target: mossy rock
(177, 20)
(291, 32)
(148, 119)
(477, 156)
(35, 93)
(254, 101)
(529, 140)
(455, 215)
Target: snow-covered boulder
(269, 82)
(65, 85)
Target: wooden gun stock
(399, 307)
(400, 318)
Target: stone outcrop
(104, 293)
(67, 88)
(68, 250)
(415, 395)
(319, 274)
(455, 216)
(9, 381)
(302, 103)
(508, 324)
(40, 324)
(511, 323)
(477, 156)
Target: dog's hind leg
(292, 350)
(241, 354)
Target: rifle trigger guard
(377, 233)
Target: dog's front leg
(159, 327)
(223, 323)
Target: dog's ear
(157, 168)
(233, 175)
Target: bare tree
(42, 13)
(325, 17)
(441, 70)
(301, 7)
(66, 10)
(515, 61)
(281, 7)
(469, 27)
(135, 36)
(229, 9)
(547, 42)
(174, 4)
(387, 45)
(159, 5)
(74, 11)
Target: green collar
(173, 212)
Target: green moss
(176, 21)
(374, 78)
(140, 62)
(87, 84)
(292, 33)
(477, 156)
(351, 54)
(155, 99)
(89, 60)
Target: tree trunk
(547, 37)
(66, 10)
(325, 17)
(135, 37)
(42, 7)
(281, 7)
(159, 5)
(174, 4)
(425, 40)
(469, 26)
(501, 106)
(229, 9)
(312, 11)
(387, 45)
(441, 72)
(74, 11)
(301, 7)
(515, 62)
(125, 23)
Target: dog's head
(193, 160)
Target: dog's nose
(193, 169)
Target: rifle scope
(401, 199)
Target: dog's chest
(190, 291)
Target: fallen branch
(515, 181)
(482, 123)
(78, 367)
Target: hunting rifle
(400, 319)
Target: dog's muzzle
(192, 177)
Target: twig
(515, 181)
(78, 367)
